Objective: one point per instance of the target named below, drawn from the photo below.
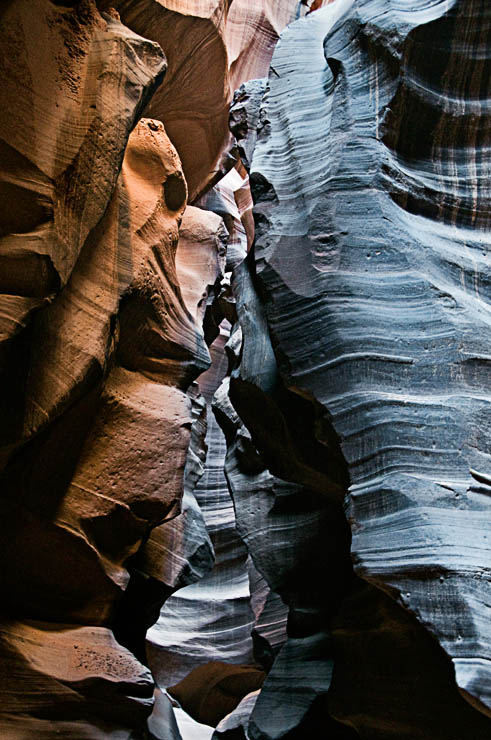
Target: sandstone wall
(319, 497)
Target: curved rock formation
(65, 117)
(296, 537)
(179, 552)
(69, 680)
(212, 691)
(322, 509)
(97, 419)
(212, 47)
(370, 225)
(119, 484)
(210, 620)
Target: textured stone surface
(323, 510)
(64, 121)
(200, 259)
(69, 680)
(94, 389)
(179, 552)
(231, 199)
(120, 481)
(370, 230)
(244, 117)
(210, 620)
(270, 614)
(214, 40)
(296, 536)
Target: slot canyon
(245, 431)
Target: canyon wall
(244, 329)
(372, 220)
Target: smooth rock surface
(213, 690)
(296, 536)
(115, 482)
(372, 221)
(95, 389)
(179, 552)
(214, 40)
(321, 513)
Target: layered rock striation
(212, 47)
(210, 620)
(100, 349)
(371, 221)
(296, 541)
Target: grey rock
(372, 221)
(244, 117)
(212, 619)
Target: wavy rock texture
(223, 42)
(99, 413)
(210, 620)
(65, 117)
(335, 536)
(372, 218)
(179, 552)
(114, 483)
(296, 537)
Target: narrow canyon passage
(245, 334)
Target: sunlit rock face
(371, 230)
(212, 47)
(114, 483)
(74, 84)
(110, 362)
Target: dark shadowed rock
(213, 690)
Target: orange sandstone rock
(212, 47)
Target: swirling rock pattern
(113, 484)
(296, 537)
(371, 229)
(179, 552)
(64, 121)
(336, 536)
(101, 418)
(224, 42)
